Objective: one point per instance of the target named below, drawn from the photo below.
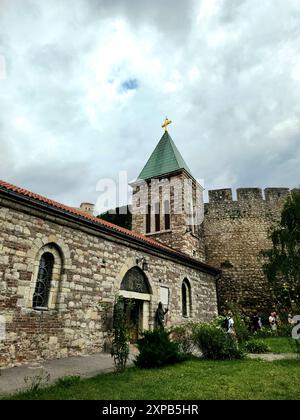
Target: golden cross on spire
(166, 123)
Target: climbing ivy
(120, 343)
(282, 261)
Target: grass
(280, 344)
(194, 379)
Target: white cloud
(22, 123)
(225, 72)
(208, 8)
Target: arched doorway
(136, 291)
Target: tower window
(148, 219)
(157, 217)
(167, 214)
(191, 216)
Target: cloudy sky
(86, 84)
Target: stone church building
(60, 267)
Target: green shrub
(241, 324)
(68, 381)
(215, 343)
(183, 336)
(285, 330)
(264, 332)
(156, 350)
(219, 321)
(38, 381)
(295, 344)
(241, 328)
(256, 346)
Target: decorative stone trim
(51, 239)
(57, 272)
(160, 232)
(134, 295)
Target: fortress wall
(235, 233)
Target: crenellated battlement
(220, 196)
(248, 195)
(275, 194)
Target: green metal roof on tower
(165, 158)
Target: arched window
(186, 299)
(48, 275)
(43, 282)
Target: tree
(120, 216)
(282, 261)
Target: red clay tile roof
(76, 212)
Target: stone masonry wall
(235, 233)
(93, 266)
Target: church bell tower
(167, 202)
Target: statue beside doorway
(160, 315)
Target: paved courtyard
(12, 379)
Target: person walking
(273, 321)
(230, 324)
(290, 319)
(255, 322)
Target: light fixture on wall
(142, 260)
(188, 230)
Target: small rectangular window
(167, 214)
(157, 217)
(148, 219)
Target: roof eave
(166, 175)
(106, 229)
